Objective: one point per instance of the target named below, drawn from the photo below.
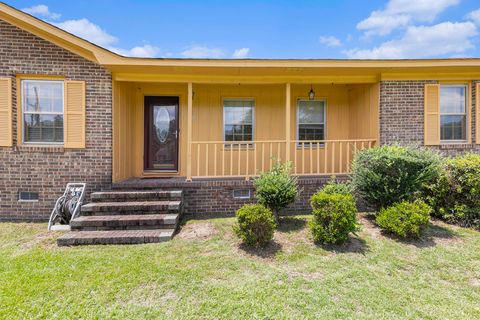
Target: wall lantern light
(311, 93)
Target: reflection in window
(43, 104)
(453, 112)
(238, 120)
(311, 120)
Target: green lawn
(208, 275)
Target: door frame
(146, 134)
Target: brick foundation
(402, 116)
(216, 196)
(47, 170)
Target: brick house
(73, 111)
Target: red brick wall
(216, 196)
(402, 116)
(47, 170)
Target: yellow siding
(364, 117)
(5, 112)
(432, 114)
(123, 123)
(343, 108)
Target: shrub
(455, 196)
(333, 187)
(334, 217)
(404, 219)
(276, 188)
(384, 175)
(255, 225)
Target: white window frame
(228, 143)
(314, 145)
(466, 113)
(23, 101)
(247, 196)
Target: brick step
(132, 207)
(118, 196)
(125, 222)
(74, 238)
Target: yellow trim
(189, 129)
(477, 109)
(115, 62)
(288, 113)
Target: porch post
(287, 122)
(189, 131)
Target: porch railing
(214, 159)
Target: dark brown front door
(161, 133)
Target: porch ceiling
(289, 74)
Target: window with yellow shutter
(446, 114)
(52, 113)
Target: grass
(211, 276)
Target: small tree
(276, 189)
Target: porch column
(189, 131)
(287, 122)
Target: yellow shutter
(5, 112)
(432, 114)
(477, 111)
(74, 119)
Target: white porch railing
(214, 159)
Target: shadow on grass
(291, 224)
(355, 244)
(267, 252)
(430, 236)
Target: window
(241, 194)
(28, 196)
(238, 119)
(42, 107)
(453, 112)
(311, 120)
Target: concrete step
(118, 196)
(131, 207)
(125, 222)
(74, 238)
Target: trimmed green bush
(276, 189)
(333, 187)
(404, 219)
(384, 175)
(334, 217)
(455, 196)
(255, 225)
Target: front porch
(206, 151)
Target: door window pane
(43, 104)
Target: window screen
(238, 120)
(311, 120)
(43, 104)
